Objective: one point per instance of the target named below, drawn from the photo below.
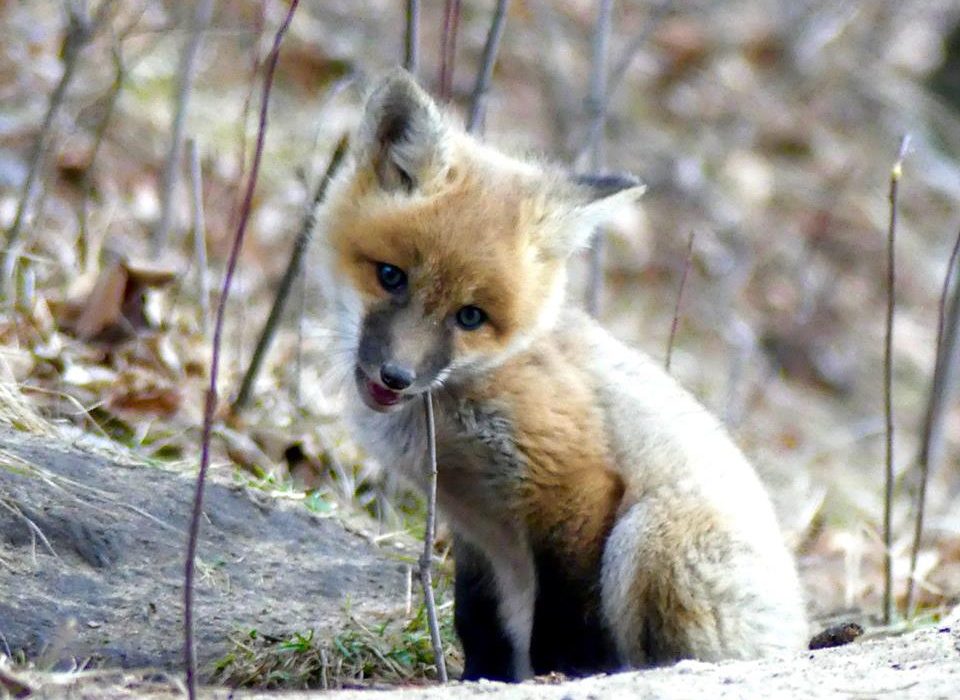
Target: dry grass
(27, 681)
(392, 651)
(16, 411)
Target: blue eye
(470, 318)
(391, 278)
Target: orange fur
(572, 493)
(462, 245)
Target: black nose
(395, 377)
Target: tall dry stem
(596, 108)
(300, 246)
(199, 234)
(426, 556)
(448, 48)
(678, 306)
(81, 28)
(478, 103)
(199, 23)
(411, 38)
(895, 174)
(944, 378)
(210, 405)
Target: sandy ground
(921, 665)
(924, 664)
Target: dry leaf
(140, 391)
(115, 309)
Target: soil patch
(91, 561)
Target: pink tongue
(382, 395)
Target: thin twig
(111, 100)
(307, 224)
(944, 378)
(199, 235)
(448, 48)
(945, 292)
(210, 405)
(597, 113)
(187, 73)
(676, 309)
(478, 105)
(35, 531)
(411, 38)
(595, 103)
(86, 186)
(619, 72)
(241, 127)
(426, 557)
(895, 173)
(80, 30)
(298, 358)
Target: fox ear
(600, 186)
(587, 202)
(401, 133)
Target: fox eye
(391, 278)
(470, 318)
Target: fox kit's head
(442, 256)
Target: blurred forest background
(765, 129)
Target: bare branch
(676, 309)
(244, 118)
(35, 531)
(945, 292)
(307, 224)
(210, 405)
(86, 187)
(411, 38)
(895, 174)
(478, 106)
(595, 104)
(298, 360)
(199, 234)
(944, 378)
(596, 111)
(80, 30)
(448, 48)
(619, 72)
(171, 169)
(426, 557)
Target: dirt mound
(91, 561)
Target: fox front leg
(487, 649)
(496, 590)
(516, 578)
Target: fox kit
(603, 519)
